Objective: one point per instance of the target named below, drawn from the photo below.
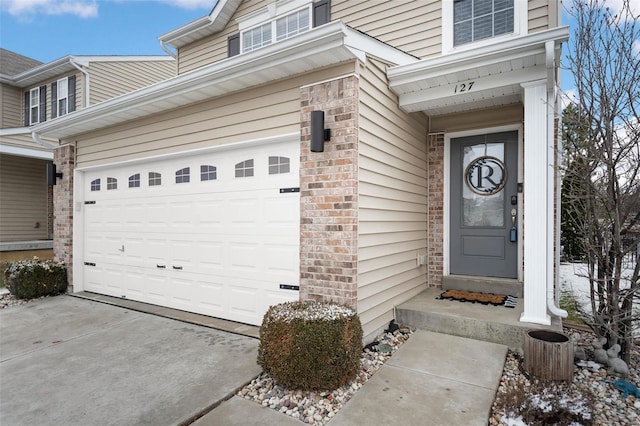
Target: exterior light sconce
(318, 133)
(52, 175)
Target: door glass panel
(484, 176)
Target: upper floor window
(34, 111)
(183, 175)
(473, 21)
(62, 102)
(276, 29)
(244, 168)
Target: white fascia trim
(448, 64)
(40, 69)
(216, 20)
(12, 131)
(26, 152)
(83, 59)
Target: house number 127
(463, 87)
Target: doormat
(505, 300)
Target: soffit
(482, 78)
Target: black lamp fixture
(318, 133)
(52, 175)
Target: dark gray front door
(483, 198)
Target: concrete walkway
(68, 361)
(433, 379)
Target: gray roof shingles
(12, 63)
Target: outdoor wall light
(318, 133)
(52, 175)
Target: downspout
(86, 80)
(551, 196)
(169, 52)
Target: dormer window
(276, 29)
(469, 23)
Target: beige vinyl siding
(540, 12)
(214, 48)
(411, 26)
(24, 141)
(477, 119)
(11, 106)
(256, 113)
(23, 199)
(111, 79)
(392, 228)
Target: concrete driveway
(65, 360)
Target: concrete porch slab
(496, 324)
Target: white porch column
(536, 185)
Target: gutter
(36, 139)
(551, 237)
(80, 68)
(166, 49)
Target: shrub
(28, 279)
(310, 345)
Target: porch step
(482, 284)
(496, 324)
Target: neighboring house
(202, 192)
(33, 93)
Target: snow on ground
(574, 279)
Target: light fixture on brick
(318, 133)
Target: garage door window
(279, 165)
(208, 173)
(112, 183)
(134, 181)
(95, 185)
(244, 169)
(182, 175)
(155, 179)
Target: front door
(483, 238)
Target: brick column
(435, 207)
(64, 159)
(328, 195)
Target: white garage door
(216, 234)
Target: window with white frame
(34, 105)
(134, 181)
(470, 22)
(183, 175)
(208, 172)
(155, 179)
(112, 183)
(279, 28)
(62, 103)
(244, 169)
(279, 165)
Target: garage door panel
(236, 240)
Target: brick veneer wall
(328, 194)
(64, 159)
(435, 209)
